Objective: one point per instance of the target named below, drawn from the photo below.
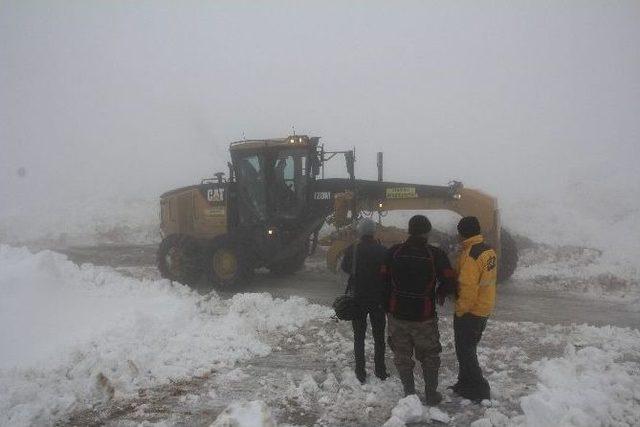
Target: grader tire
(227, 264)
(179, 259)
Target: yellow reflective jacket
(477, 273)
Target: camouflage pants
(408, 338)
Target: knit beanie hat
(469, 226)
(419, 224)
(366, 227)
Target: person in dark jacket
(364, 262)
(419, 275)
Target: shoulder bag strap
(354, 258)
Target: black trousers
(468, 331)
(378, 321)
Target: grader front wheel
(228, 264)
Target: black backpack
(413, 282)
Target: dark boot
(456, 388)
(476, 392)
(361, 375)
(408, 383)
(432, 396)
(382, 373)
(380, 367)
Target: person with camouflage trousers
(418, 275)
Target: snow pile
(410, 410)
(576, 269)
(598, 384)
(245, 414)
(594, 208)
(73, 335)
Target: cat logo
(215, 195)
(322, 195)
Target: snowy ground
(77, 335)
(93, 345)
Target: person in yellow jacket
(477, 273)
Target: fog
(536, 102)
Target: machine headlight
(457, 196)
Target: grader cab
(270, 209)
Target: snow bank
(595, 207)
(73, 335)
(578, 270)
(596, 382)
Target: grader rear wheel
(295, 262)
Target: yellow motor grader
(270, 209)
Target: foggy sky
(134, 98)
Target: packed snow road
(519, 300)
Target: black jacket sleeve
(445, 274)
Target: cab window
(252, 185)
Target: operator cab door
(252, 193)
(288, 192)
